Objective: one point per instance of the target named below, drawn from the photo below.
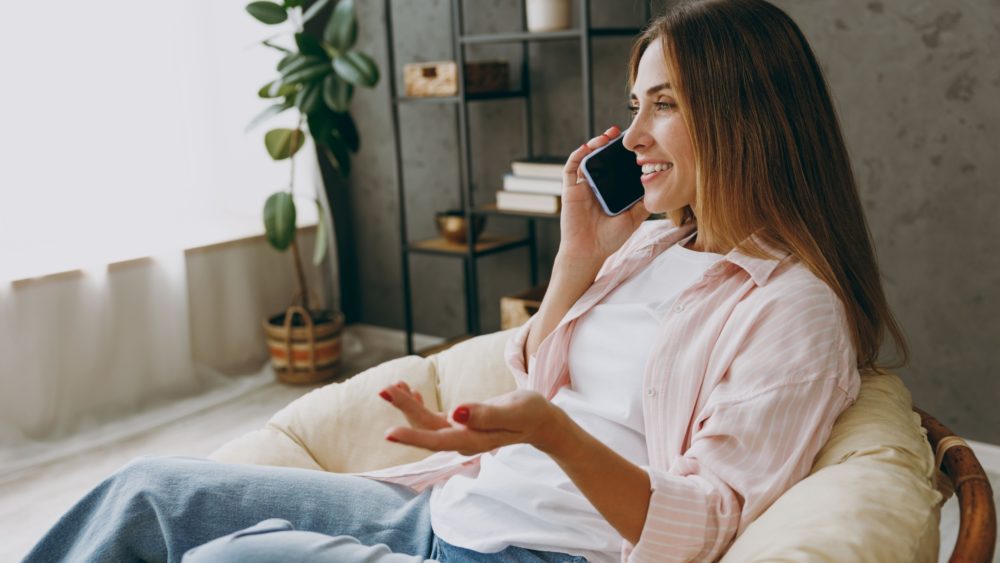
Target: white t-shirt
(520, 496)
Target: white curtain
(94, 356)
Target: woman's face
(659, 137)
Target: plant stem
(300, 274)
(295, 143)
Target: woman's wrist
(576, 267)
(560, 436)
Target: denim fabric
(159, 509)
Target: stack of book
(534, 184)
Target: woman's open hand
(518, 417)
(586, 232)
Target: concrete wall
(917, 87)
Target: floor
(53, 487)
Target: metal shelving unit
(486, 244)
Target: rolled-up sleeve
(745, 454)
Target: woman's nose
(636, 137)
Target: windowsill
(248, 237)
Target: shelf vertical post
(465, 173)
(398, 147)
(588, 87)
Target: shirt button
(651, 392)
(678, 308)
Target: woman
(679, 376)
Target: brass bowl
(452, 225)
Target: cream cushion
(869, 497)
(340, 427)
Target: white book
(539, 167)
(521, 201)
(528, 184)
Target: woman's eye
(633, 109)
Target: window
(123, 131)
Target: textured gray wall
(916, 83)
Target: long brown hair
(770, 156)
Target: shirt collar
(759, 269)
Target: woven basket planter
(311, 342)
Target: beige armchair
(870, 496)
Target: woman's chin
(653, 205)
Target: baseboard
(391, 337)
(987, 454)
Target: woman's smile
(652, 171)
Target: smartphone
(613, 175)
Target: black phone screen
(613, 175)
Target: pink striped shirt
(749, 372)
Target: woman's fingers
(412, 407)
(455, 439)
(571, 171)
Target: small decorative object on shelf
(486, 76)
(539, 167)
(548, 15)
(515, 310)
(453, 225)
(529, 184)
(424, 80)
(535, 185)
(439, 78)
(523, 201)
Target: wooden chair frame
(977, 529)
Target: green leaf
(342, 29)
(347, 129)
(314, 9)
(287, 60)
(275, 89)
(356, 68)
(268, 112)
(320, 123)
(267, 12)
(337, 93)
(307, 74)
(278, 89)
(310, 46)
(279, 220)
(319, 249)
(341, 158)
(283, 143)
(308, 99)
(300, 63)
(292, 3)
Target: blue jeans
(166, 509)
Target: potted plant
(316, 78)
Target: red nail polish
(461, 415)
(391, 439)
(385, 395)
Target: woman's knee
(242, 546)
